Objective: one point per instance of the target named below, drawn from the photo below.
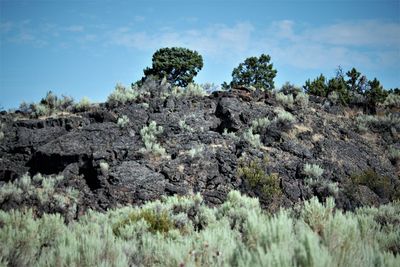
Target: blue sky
(83, 48)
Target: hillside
(109, 163)
(281, 149)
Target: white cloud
(218, 41)
(75, 28)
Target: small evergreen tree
(354, 81)
(257, 72)
(317, 87)
(178, 65)
(375, 94)
(339, 86)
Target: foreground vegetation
(182, 231)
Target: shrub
(83, 105)
(313, 179)
(313, 170)
(196, 151)
(121, 95)
(289, 89)
(394, 154)
(301, 99)
(333, 97)
(285, 100)
(379, 123)
(123, 121)
(1, 131)
(283, 116)
(149, 136)
(392, 101)
(65, 103)
(252, 139)
(43, 191)
(380, 184)
(183, 231)
(193, 89)
(104, 168)
(230, 135)
(253, 172)
(40, 110)
(184, 127)
(260, 124)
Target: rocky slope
(107, 163)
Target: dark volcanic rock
(106, 163)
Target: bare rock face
(107, 164)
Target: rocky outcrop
(201, 158)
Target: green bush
(301, 100)
(392, 101)
(394, 154)
(183, 231)
(285, 100)
(42, 192)
(284, 116)
(251, 138)
(83, 105)
(252, 171)
(123, 121)
(260, 124)
(380, 184)
(149, 136)
(121, 95)
(2, 125)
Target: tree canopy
(257, 72)
(178, 65)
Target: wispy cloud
(298, 45)
(75, 28)
(218, 41)
(367, 43)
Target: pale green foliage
(313, 170)
(149, 137)
(251, 138)
(104, 168)
(123, 121)
(237, 233)
(301, 99)
(285, 100)
(83, 105)
(122, 95)
(230, 135)
(392, 101)
(41, 110)
(334, 97)
(260, 124)
(184, 127)
(364, 122)
(313, 179)
(394, 154)
(284, 116)
(1, 131)
(191, 89)
(43, 189)
(196, 151)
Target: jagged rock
(201, 159)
